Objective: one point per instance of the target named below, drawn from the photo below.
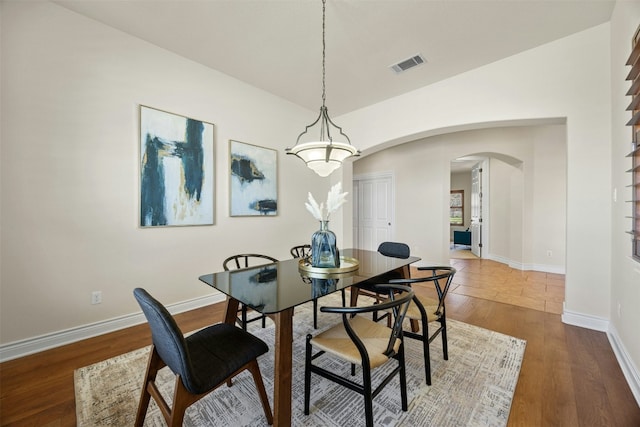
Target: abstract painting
(176, 170)
(253, 180)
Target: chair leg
(425, 351)
(368, 395)
(153, 365)
(307, 375)
(181, 401)
(257, 378)
(403, 378)
(243, 317)
(445, 349)
(315, 314)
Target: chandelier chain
(323, 54)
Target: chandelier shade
(323, 154)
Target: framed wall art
(253, 180)
(176, 170)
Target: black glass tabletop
(271, 288)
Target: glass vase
(322, 287)
(324, 252)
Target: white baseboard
(556, 269)
(629, 370)
(585, 320)
(56, 339)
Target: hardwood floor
(569, 376)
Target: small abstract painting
(253, 180)
(176, 170)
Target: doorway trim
(356, 202)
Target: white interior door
(374, 211)
(476, 210)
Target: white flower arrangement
(335, 199)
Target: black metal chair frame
(424, 335)
(242, 261)
(184, 356)
(301, 251)
(390, 249)
(399, 298)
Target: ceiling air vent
(407, 63)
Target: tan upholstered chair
(361, 341)
(428, 310)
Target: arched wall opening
(526, 187)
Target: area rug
(473, 388)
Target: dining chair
(201, 361)
(358, 340)
(427, 310)
(236, 262)
(390, 249)
(301, 251)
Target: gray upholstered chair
(357, 340)
(236, 262)
(201, 362)
(394, 249)
(428, 310)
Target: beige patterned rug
(473, 388)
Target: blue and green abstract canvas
(176, 170)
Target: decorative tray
(347, 265)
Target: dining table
(276, 289)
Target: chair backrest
(439, 274)
(236, 262)
(167, 338)
(301, 251)
(398, 302)
(394, 249)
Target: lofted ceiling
(276, 45)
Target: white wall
(625, 278)
(71, 88)
(563, 79)
(580, 78)
(421, 171)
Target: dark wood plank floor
(569, 377)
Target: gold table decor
(347, 265)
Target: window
(456, 207)
(634, 107)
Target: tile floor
(494, 281)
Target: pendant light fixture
(325, 154)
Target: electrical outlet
(549, 253)
(96, 297)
